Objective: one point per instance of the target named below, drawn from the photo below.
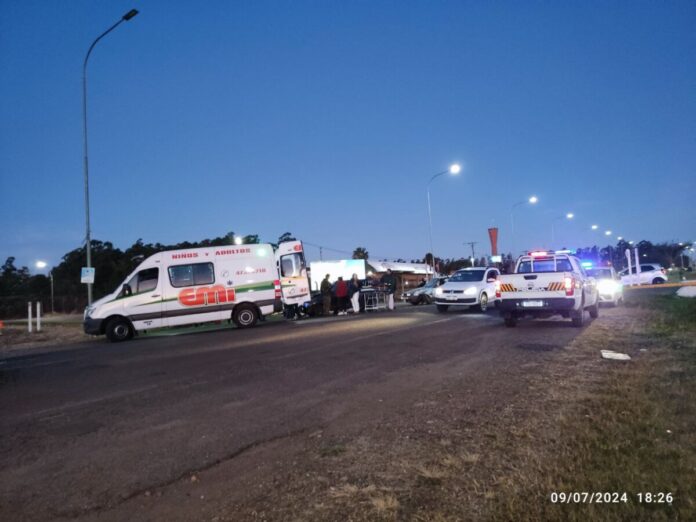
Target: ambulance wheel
(245, 316)
(118, 329)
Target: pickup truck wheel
(118, 329)
(245, 316)
(658, 281)
(510, 321)
(483, 304)
(594, 311)
(578, 318)
(442, 308)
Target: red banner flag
(493, 234)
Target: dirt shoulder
(15, 338)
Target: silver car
(424, 294)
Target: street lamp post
(88, 237)
(569, 215)
(454, 169)
(533, 200)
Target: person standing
(354, 286)
(341, 297)
(389, 281)
(326, 295)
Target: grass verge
(620, 428)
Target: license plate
(532, 304)
(451, 297)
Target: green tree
(287, 236)
(360, 253)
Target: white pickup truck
(546, 284)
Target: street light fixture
(238, 240)
(607, 233)
(88, 237)
(532, 200)
(454, 170)
(595, 227)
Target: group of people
(346, 292)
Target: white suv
(468, 287)
(650, 273)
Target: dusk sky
(327, 119)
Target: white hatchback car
(650, 273)
(468, 287)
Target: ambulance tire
(118, 329)
(245, 315)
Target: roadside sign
(87, 275)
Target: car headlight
(470, 291)
(606, 286)
(88, 311)
(438, 291)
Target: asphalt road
(86, 432)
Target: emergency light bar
(587, 264)
(543, 253)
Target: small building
(408, 275)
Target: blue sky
(328, 118)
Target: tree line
(112, 265)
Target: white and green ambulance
(242, 283)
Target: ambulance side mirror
(127, 290)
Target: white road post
(630, 271)
(38, 316)
(29, 325)
(637, 266)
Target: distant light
(570, 215)
(238, 240)
(681, 244)
(645, 255)
(630, 242)
(41, 264)
(620, 238)
(586, 264)
(455, 168)
(607, 233)
(370, 273)
(595, 227)
(533, 200)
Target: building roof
(404, 268)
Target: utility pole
(321, 253)
(471, 244)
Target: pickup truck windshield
(544, 264)
(466, 276)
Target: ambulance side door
(292, 270)
(142, 299)
(192, 295)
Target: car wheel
(594, 311)
(483, 303)
(578, 318)
(658, 281)
(442, 308)
(414, 302)
(119, 329)
(510, 321)
(245, 316)
(427, 299)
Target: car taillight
(497, 289)
(569, 284)
(276, 285)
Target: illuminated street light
(570, 215)
(41, 264)
(238, 240)
(533, 200)
(453, 169)
(88, 237)
(619, 238)
(595, 227)
(607, 233)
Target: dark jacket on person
(325, 287)
(389, 281)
